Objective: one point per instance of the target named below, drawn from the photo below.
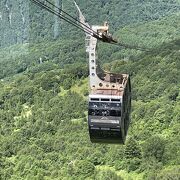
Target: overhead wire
(84, 25)
(73, 21)
(49, 9)
(131, 47)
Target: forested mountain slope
(43, 102)
(21, 21)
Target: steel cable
(49, 9)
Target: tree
(132, 149)
(83, 169)
(167, 174)
(154, 147)
(107, 174)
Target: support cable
(84, 25)
(73, 22)
(42, 5)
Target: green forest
(44, 91)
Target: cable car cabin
(110, 94)
(109, 113)
(110, 97)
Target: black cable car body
(109, 118)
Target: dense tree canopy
(44, 88)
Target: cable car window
(93, 112)
(94, 99)
(115, 113)
(102, 112)
(94, 105)
(104, 105)
(116, 105)
(118, 100)
(105, 99)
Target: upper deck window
(94, 99)
(105, 99)
(104, 105)
(102, 112)
(115, 100)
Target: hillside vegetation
(44, 92)
(22, 21)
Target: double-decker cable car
(109, 98)
(110, 94)
(109, 113)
